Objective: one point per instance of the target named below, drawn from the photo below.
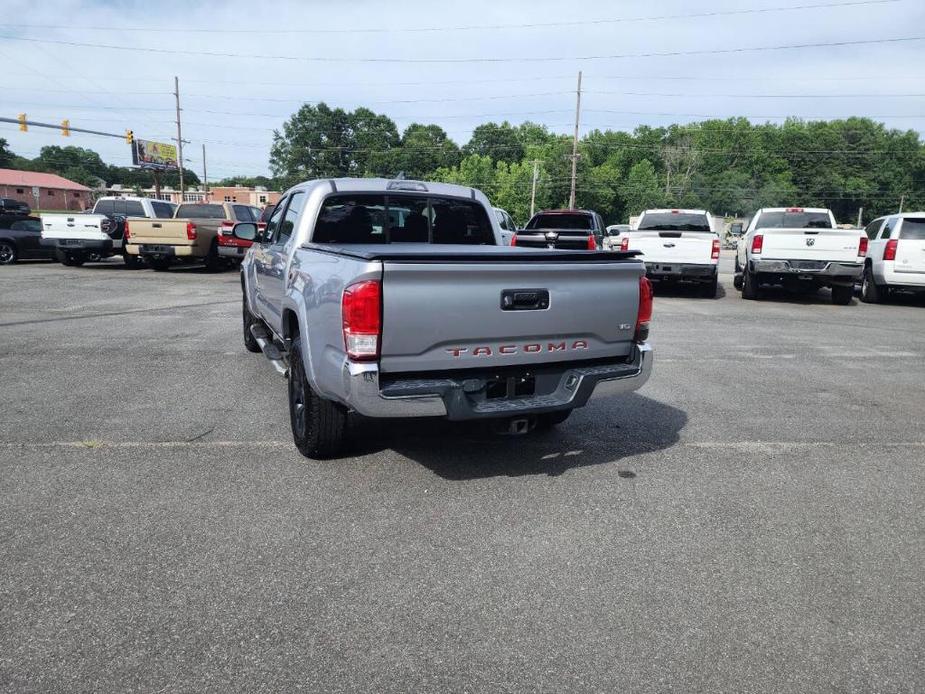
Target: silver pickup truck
(396, 299)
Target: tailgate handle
(524, 299)
(156, 225)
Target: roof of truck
(674, 211)
(566, 211)
(385, 185)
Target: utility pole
(571, 199)
(536, 171)
(860, 214)
(205, 175)
(902, 200)
(176, 94)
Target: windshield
(561, 221)
(794, 220)
(913, 230)
(201, 211)
(674, 221)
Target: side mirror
(246, 231)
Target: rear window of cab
(372, 218)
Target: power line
(543, 78)
(762, 96)
(472, 27)
(481, 59)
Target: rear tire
(842, 295)
(213, 261)
(548, 420)
(159, 264)
(708, 290)
(250, 342)
(871, 292)
(749, 285)
(132, 262)
(7, 253)
(317, 424)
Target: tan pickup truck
(198, 232)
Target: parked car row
(141, 230)
(799, 249)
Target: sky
(454, 64)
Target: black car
(11, 206)
(20, 239)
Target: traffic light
(66, 128)
(129, 136)
(22, 123)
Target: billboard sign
(154, 155)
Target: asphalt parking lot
(751, 520)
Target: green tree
(6, 156)
(424, 149)
(316, 142)
(641, 190)
(499, 142)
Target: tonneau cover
(423, 252)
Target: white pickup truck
(77, 237)
(677, 246)
(801, 249)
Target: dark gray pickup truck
(396, 299)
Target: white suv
(895, 256)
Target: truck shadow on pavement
(605, 432)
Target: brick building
(44, 191)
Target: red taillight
(514, 240)
(361, 309)
(757, 243)
(794, 209)
(625, 243)
(592, 243)
(644, 315)
(862, 247)
(714, 254)
(126, 235)
(889, 252)
(226, 228)
(191, 231)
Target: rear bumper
(99, 246)
(910, 280)
(155, 250)
(681, 272)
(823, 269)
(232, 251)
(464, 398)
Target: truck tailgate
(691, 247)
(811, 244)
(159, 231)
(444, 315)
(74, 226)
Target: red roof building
(44, 191)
